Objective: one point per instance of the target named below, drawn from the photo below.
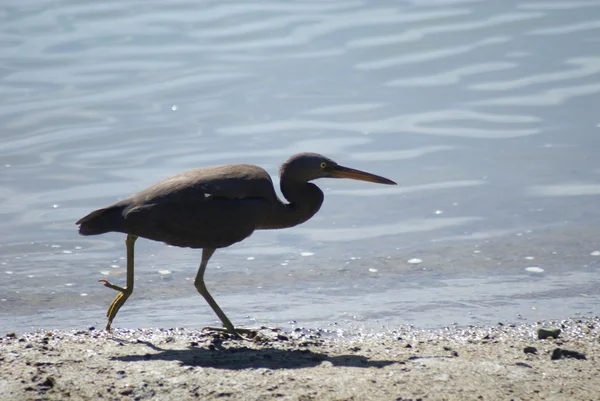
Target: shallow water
(484, 112)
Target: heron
(215, 207)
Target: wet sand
(503, 361)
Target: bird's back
(206, 207)
(234, 181)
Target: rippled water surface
(484, 112)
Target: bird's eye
(323, 165)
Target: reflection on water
(483, 112)
(380, 230)
(565, 190)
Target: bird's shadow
(242, 357)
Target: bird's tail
(101, 221)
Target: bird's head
(304, 167)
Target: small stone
(524, 365)
(11, 335)
(530, 350)
(127, 391)
(49, 382)
(546, 332)
(560, 353)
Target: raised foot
(113, 286)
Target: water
(484, 112)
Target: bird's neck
(305, 199)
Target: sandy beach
(501, 362)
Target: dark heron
(214, 207)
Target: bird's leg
(124, 292)
(201, 287)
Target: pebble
(524, 365)
(530, 350)
(414, 261)
(546, 332)
(49, 382)
(560, 353)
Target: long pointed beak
(346, 172)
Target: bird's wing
(237, 181)
(210, 221)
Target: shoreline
(504, 361)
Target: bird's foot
(116, 304)
(248, 334)
(113, 286)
